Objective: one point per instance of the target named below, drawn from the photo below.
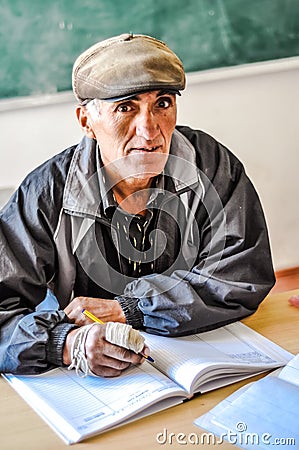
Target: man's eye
(124, 108)
(164, 103)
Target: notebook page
(229, 349)
(290, 372)
(261, 415)
(78, 407)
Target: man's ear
(84, 121)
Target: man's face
(134, 135)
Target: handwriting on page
(181, 358)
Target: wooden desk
(22, 429)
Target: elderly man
(143, 222)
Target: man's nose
(147, 125)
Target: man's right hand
(104, 359)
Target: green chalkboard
(40, 39)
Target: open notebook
(77, 408)
(260, 415)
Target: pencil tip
(150, 358)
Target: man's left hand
(105, 310)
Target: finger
(122, 354)
(107, 372)
(106, 362)
(294, 300)
(79, 318)
(101, 352)
(107, 365)
(111, 355)
(108, 310)
(74, 309)
(105, 309)
(146, 350)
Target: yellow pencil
(96, 319)
(91, 316)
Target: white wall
(32, 130)
(252, 109)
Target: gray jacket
(52, 235)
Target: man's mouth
(145, 149)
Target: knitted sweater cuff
(55, 345)
(130, 308)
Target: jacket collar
(82, 193)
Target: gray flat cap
(125, 65)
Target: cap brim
(127, 97)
